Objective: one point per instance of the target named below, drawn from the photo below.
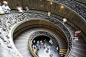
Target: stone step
(80, 42)
(80, 51)
(71, 55)
(75, 54)
(78, 54)
(80, 47)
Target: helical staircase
(16, 30)
(11, 25)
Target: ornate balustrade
(74, 6)
(6, 47)
(7, 21)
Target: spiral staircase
(21, 41)
(17, 30)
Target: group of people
(6, 9)
(20, 9)
(36, 45)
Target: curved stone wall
(76, 7)
(37, 23)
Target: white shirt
(4, 8)
(49, 13)
(76, 39)
(27, 9)
(50, 41)
(64, 20)
(20, 9)
(1, 9)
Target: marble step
(80, 51)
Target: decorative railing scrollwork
(7, 21)
(74, 6)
